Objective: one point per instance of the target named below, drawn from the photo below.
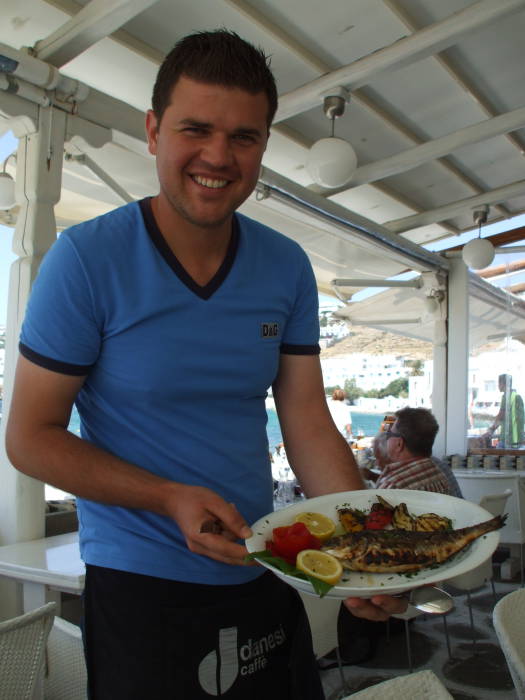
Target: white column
(439, 386)
(38, 183)
(457, 357)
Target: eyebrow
(248, 130)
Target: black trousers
(152, 639)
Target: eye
(245, 138)
(196, 130)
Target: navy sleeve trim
(287, 349)
(53, 365)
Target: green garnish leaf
(320, 587)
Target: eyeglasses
(392, 433)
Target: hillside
(374, 342)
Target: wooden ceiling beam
(498, 239)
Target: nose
(217, 151)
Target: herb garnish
(320, 587)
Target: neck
(199, 249)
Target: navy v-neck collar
(206, 291)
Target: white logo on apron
(219, 669)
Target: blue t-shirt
(177, 374)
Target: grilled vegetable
(384, 503)
(394, 551)
(402, 520)
(430, 522)
(352, 520)
(379, 517)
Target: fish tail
(495, 523)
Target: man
(408, 447)
(135, 316)
(512, 420)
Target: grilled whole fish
(399, 551)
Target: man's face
(209, 146)
(394, 443)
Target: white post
(38, 184)
(457, 357)
(439, 386)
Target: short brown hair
(418, 428)
(338, 395)
(219, 57)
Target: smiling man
(165, 322)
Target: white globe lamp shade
(331, 162)
(478, 253)
(7, 191)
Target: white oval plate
(361, 584)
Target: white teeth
(208, 182)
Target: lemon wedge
(319, 525)
(319, 564)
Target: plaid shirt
(419, 474)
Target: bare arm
(39, 444)
(319, 455)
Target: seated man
(408, 446)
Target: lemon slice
(319, 564)
(319, 525)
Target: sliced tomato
(288, 541)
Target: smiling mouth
(209, 182)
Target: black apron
(152, 638)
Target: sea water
(365, 423)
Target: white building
(485, 368)
(369, 371)
(389, 404)
(420, 388)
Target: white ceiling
(417, 71)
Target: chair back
(414, 686)
(495, 502)
(322, 615)
(509, 622)
(66, 675)
(476, 486)
(22, 652)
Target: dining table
(45, 567)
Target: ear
(152, 131)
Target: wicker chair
(509, 622)
(414, 686)
(22, 652)
(66, 676)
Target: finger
(365, 609)
(229, 518)
(392, 605)
(220, 548)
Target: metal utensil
(430, 599)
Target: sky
(8, 144)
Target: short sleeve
(60, 330)
(301, 335)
